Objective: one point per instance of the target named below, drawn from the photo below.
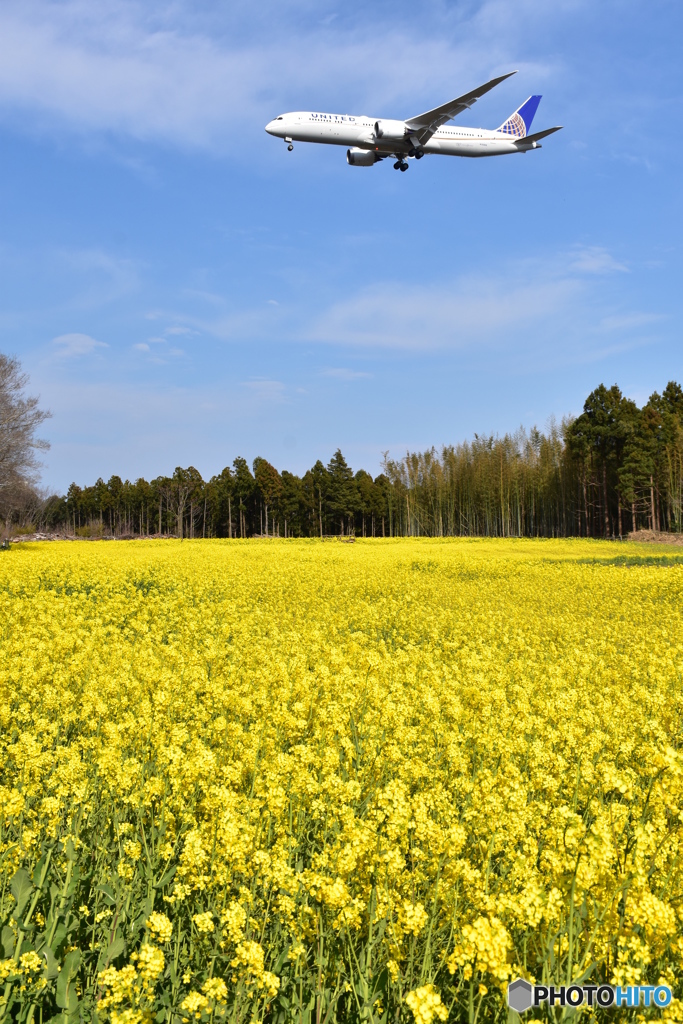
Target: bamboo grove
(616, 468)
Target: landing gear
(400, 165)
(290, 147)
(288, 140)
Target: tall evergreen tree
(244, 490)
(268, 484)
(342, 498)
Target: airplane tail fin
(533, 141)
(519, 123)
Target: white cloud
(77, 345)
(630, 321)
(160, 72)
(264, 390)
(102, 278)
(180, 330)
(516, 307)
(451, 315)
(141, 347)
(596, 260)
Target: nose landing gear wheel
(290, 147)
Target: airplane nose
(270, 127)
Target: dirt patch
(652, 537)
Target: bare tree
(20, 417)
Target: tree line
(239, 502)
(613, 469)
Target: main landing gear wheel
(400, 165)
(404, 167)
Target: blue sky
(182, 290)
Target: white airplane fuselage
(360, 132)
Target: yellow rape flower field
(317, 782)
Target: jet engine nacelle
(391, 131)
(361, 157)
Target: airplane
(370, 140)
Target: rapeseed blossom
(269, 780)
(425, 1002)
(160, 927)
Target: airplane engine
(391, 131)
(361, 157)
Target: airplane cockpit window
(278, 118)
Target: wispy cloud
(517, 306)
(263, 390)
(163, 72)
(596, 260)
(70, 345)
(450, 314)
(630, 321)
(102, 277)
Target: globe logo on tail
(514, 126)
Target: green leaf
(66, 983)
(51, 964)
(165, 879)
(277, 967)
(59, 936)
(38, 870)
(70, 851)
(147, 907)
(75, 879)
(72, 961)
(21, 890)
(8, 940)
(108, 894)
(115, 949)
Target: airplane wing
(526, 139)
(424, 125)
